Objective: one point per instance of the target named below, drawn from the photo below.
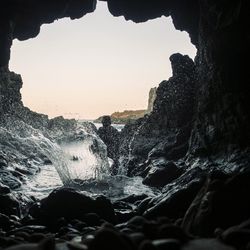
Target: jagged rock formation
(151, 99)
(219, 31)
(223, 97)
(165, 131)
(10, 85)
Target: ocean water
(85, 169)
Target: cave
(193, 146)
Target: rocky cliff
(166, 130)
(151, 99)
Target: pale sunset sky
(96, 65)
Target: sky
(96, 65)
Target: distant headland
(130, 115)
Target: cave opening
(186, 181)
(96, 65)
(85, 69)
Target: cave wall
(220, 31)
(22, 19)
(218, 28)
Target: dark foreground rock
(69, 204)
(212, 205)
(166, 130)
(222, 202)
(162, 173)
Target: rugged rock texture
(219, 31)
(165, 131)
(151, 99)
(222, 114)
(70, 204)
(10, 85)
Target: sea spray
(87, 158)
(22, 142)
(124, 167)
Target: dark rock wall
(10, 85)
(223, 97)
(151, 99)
(166, 130)
(219, 30)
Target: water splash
(22, 142)
(130, 144)
(87, 158)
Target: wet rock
(206, 244)
(121, 205)
(221, 203)
(237, 236)
(9, 204)
(161, 174)
(171, 231)
(36, 237)
(70, 204)
(76, 246)
(124, 215)
(147, 245)
(137, 222)
(109, 239)
(169, 244)
(166, 130)
(47, 244)
(4, 222)
(137, 238)
(9, 179)
(177, 197)
(4, 189)
(3, 162)
(92, 219)
(134, 198)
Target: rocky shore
(203, 204)
(202, 213)
(193, 147)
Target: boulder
(161, 175)
(176, 197)
(9, 204)
(109, 239)
(71, 204)
(223, 201)
(237, 236)
(206, 244)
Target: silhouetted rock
(162, 173)
(109, 239)
(222, 202)
(206, 244)
(176, 197)
(70, 204)
(9, 204)
(151, 99)
(165, 131)
(237, 236)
